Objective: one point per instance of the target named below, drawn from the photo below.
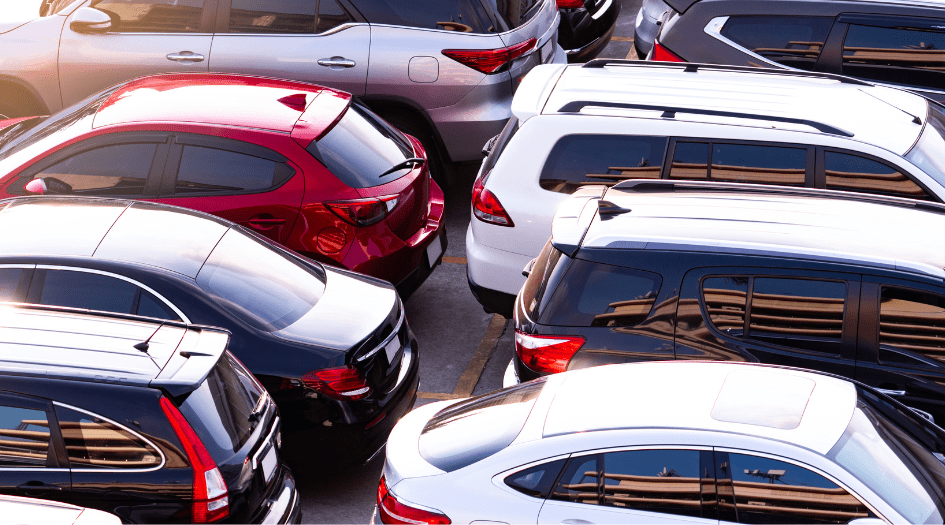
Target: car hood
(18, 13)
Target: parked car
(298, 163)
(662, 270)
(442, 70)
(332, 348)
(29, 511)
(153, 421)
(647, 25)
(887, 42)
(700, 443)
(613, 120)
(586, 27)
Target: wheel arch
(23, 92)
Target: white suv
(611, 120)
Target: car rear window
(578, 160)
(477, 428)
(379, 147)
(514, 13)
(464, 16)
(260, 284)
(545, 273)
(219, 409)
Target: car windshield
(929, 151)
(263, 285)
(897, 456)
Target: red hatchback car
(300, 164)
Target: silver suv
(442, 70)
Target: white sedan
(28, 511)
(667, 442)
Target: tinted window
(153, 16)
(577, 160)
(690, 161)
(219, 410)
(379, 147)
(151, 306)
(464, 16)
(854, 173)
(580, 482)
(264, 287)
(758, 164)
(93, 442)
(910, 326)
(926, 154)
(330, 16)
(549, 262)
(514, 13)
(665, 481)
(798, 313)
(89, 291)
(536, 481)
(595, 294)
(725, 299)
(777, 492)
(13, 284)
(121, 169)
(273, 16)
(912, 57)
(25, 437)
(792, 41)
(209, 170)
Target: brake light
(345, 383)
(547, 353)
(363, 212)
(210, 496)
(487, 208)
(570, 4)
(490, 61)
(393, 511)
(661, 54)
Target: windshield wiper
(409, 163)
(17, 129)
(259, 409)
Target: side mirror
(47, 186)
(90, 21)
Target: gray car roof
(168, 237)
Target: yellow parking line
(622, 38)
(467, 381)
(454, 260)
(435, 395)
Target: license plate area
(547, 51)
(434, 251)
(269, 463)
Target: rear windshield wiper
(18, 129)
(409, 163)
(259, 409)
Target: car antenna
(144, 345)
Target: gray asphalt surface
(463, 350)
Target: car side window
(464, 16)
(211, 170)
(690, 161)
(777, 492)
(855, 173)
(153, 16)
(95, 443)
(94, 291)
(910, 324)
(114, 170)
(794, 41)
(25, 437)
(14, 283)
(330, 16)
(901, 55)
(751, 163)
(665, 481)
(725, 299)
(580, 481)
(536, 481)
(273, 16)
(799, 313)
(577, 160)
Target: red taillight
(363, 212)
(570, 4)
(345, 383)
(393, 511)
(487, 208)
(547, 353)
(661, 54)
(489, 61)
(210, 496)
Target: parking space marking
(435, 395)
(622, 38)
(467, 382)
(454, 260)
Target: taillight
(393, 511)
(210, 497)
(570, 4)
(363, 212)
(661, 54)
(345, 383)
(487, 208)
(490, 61)
(547, 353)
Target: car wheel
(409, 124)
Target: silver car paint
(647, 27)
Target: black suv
(154, 422)
(654, 270)
(888, 42)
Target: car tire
(410, 125)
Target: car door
(318, 41)
(248, 184)
(32, 459)
(901, 351)
(641, 485)
(146, 37)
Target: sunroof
(763, 398)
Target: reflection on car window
(577, 160)
(580, 481)
(152, 16)
(690, 161)
(13, 284)
(285, 16)
(758, 164)
(907, 56)
(90, 291)
(790, 40)
(910, 326)
(798, 313)
(927, 152)
(92, 442)
(25, 440)
(665, 481)
(725, 299)
(211, 170)
(536, 481)
(855, 173)
(463, 16)
(119, 169)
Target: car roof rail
(670, 112)
(650, 186)
(694, 67)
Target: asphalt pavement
(463, 350)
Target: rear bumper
(285, 505)
(409, 284)
(495, 276)
(584, 41)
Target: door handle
(33, 488)
(265, 222)
(337, 62)
(891, 393)
(185, 56)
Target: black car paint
(583, 37)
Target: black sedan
(332, 347)
(586, 27)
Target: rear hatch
(530, 19)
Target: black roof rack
(670, 112)
(694, 67)
(672, 186)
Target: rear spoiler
(680, 6)
(189, 365)
(574, 217)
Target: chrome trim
(604, 9)
(34, 469)
(336, 29)
(267, 441)
(400, 324)
(714, 29)
(404, 368)
(29, 266)
(280, 506)
(123, 278)
(119, 425)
